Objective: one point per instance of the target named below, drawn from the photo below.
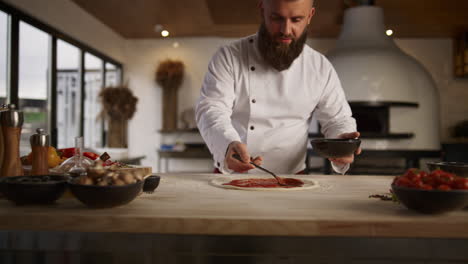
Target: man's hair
(312, 1)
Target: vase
(169, 103)
(117, 135)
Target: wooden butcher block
(146, 171)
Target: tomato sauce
(266, 183)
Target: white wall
(71, 19)
(141, 57)
(144, 56)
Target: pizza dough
(219, 182)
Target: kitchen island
(193, 216)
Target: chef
(260, 93)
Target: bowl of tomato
(431, 193)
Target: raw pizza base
(219, 181)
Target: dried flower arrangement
(170, 74)
(118, 106)
(118, 102)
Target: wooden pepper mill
(2, 108)
(11, 122)
(40, 147)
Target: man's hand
(237, 147)
(347, 159)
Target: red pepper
(67, 152)
(91, 155)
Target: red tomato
(426, 187)
(460, 183)
(444, 187)
(402, 181)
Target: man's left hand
(347, 159)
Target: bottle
(78, 169)
(40, 148)
(11, 122)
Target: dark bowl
(335, 148)
(431, 201)
(105, 196)
(151, 183)
(40, 189)
(457, 168)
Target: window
(112, 75)
(31, 53)
(68, 94)
(93, 124)
(33, 91)
(3, 56)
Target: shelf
(373, 135)
(175, 131)
(382, 104)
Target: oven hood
(373, 69)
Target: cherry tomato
(427, 187)
(460, 183)
(444, 187)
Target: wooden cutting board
(146, 171)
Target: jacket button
(252, 68)
(251, 40)
(254, 101)
(252, 127)
(219, 164)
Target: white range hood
(373, 69)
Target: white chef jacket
(244, 99)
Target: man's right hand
(239, 148)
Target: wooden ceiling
(236, 18)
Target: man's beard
(279, 55)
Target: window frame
(14, 18)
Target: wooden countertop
(188, 204)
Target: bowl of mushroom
(107, 187)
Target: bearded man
(260, 92)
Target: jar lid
(11, 117)
(40, 138)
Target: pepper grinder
(2, 108)
(40, 147)
(11, 121)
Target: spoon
(278, 179)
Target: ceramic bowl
(431, 201)
(111, 196)
(457, 168)
(335, 148)
(40, 189)
(105, 196)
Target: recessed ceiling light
(164, 33)
(389, 32)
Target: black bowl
(431, 201)
(105, 196)
(151, 183)
(335, 148)
(457, 168)
(40, 189)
